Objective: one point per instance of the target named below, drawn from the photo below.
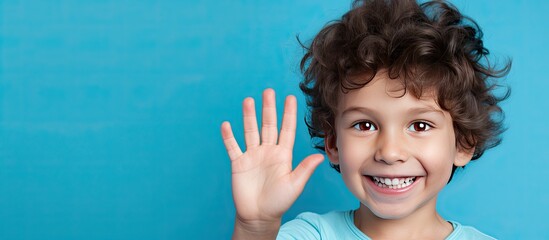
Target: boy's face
(395, 153)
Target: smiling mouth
(393, 183)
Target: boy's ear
(330, 147)
(463, 156)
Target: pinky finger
(230, 142)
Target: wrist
(257, 229)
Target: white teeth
(394, 183)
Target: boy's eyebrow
(415, 110)
(356, 109)
(426, 109)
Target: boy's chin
(390, 213)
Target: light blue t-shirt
(340, 225)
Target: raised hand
(264, 185)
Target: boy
(399, 99)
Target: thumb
(305, 169)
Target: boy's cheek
(435, 151)
(355, 151)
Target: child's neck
(424, 223)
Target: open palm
(264, 185)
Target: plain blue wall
(110, 115)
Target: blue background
(110, 116)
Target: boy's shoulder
(331, 225)
(466, 232)
(340, 225)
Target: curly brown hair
(429, 46)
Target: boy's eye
(364, 126)
(419, 127)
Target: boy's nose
(391, 148)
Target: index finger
(287, 130)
